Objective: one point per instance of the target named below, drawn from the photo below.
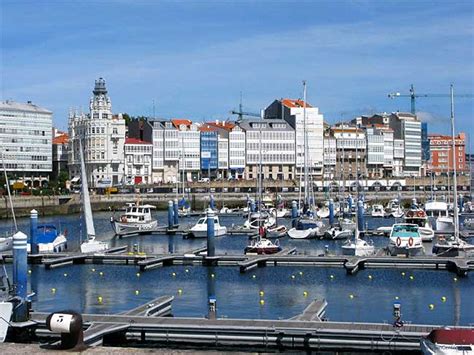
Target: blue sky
(194, 58)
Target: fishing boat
(136, 219)
(405, 239)
(259, 218)
(199, 230)
(263, 246)
(418, 216)
(294, 233)
(439, 211)
(358, 246)
(456, 341)
(377, 211)
(91, 244)
(49, 239)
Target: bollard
(294, 213)
(175, 212)
(211, 293)
(252, 205)
(69, 324)
(20, 266)
(170, 215)
(210, 233)
(360, 216)
(34, 231)
(212, 204)
(331, 211)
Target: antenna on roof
(153, 108)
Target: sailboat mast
(305, 142)
(85, 197)
(9, 194)
(455, 185)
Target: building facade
(379, 152)
(294, 112)
(270, 143)
(103, 136)
(138, 161)
(442, 153)
(26, 140)
(351, 151)
(329, 156)
(60, 153)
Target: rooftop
(61, 139)
(9, 105)
(294, 103)
(180, 121)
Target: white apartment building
(351, 150)
(237, 152)
(412, 138)
(25, 139)
(379, 152)
(103, 136)
(271, 143)
(398, 157)
(172, 151)
(294, 111)
(138, 161)
(189, 144)
(329, 157)
(222, 152)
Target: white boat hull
(202, 233)
(6, 243)
(293, 233)
(360, 248)
(444, 224)
(93, 246)
(121, 228)
(426, 234)
(58, 245)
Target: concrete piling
(331, 211)
(170, 215)
(360, 216)
(34, 231)
(175, 212)
(211, 250)
(20, 273)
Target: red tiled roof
(222, 124)
(179, 121)
(135, 141)
(294, 103)
(206, 127)
(62, 139)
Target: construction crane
(241, 113)
(412, 95)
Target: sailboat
(453, 246)
(358, 246)
(90, 245)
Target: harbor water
(427, 297)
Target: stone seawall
(68, 204)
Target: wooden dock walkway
(314, 312)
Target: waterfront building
(188, 148)
(379, 151)
(26, 140)
(103, 136)
(425, 142)
(292, 111)
(442, 153)
(398, 157)
(209, 156)
(329, 156)
(271, 143)
(223, 129)
(60, 152)
(351, 151)
(138, 161)
(237, 152)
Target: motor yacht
(199, 230)
(405, 239)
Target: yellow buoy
(443, 299)
(292, 276)
(412, 277)
(431, 306)
(187, 270)
(53, 290)
(261, 293)
(93, 270)
(455, 279)
(101, 273)
(138, 274)
(403, 273)
(99, 299)
(212, 275)
(331, 277)
(396, 297)
(137, 292)
(65, 274)
(254, 276)
(301, 273)
(180, 291)
(29, 271)
(351, 296)
(305, 293)
(370, 277)
(173, 274)
(262, 302)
